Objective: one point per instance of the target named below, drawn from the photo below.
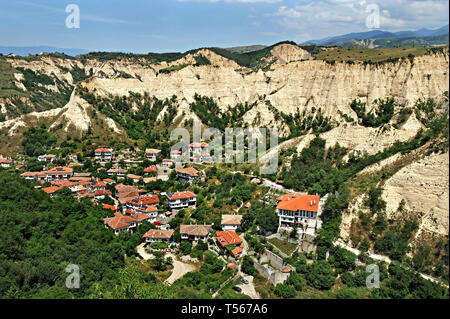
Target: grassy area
(283, 245)
(7, 86)
(369, 55)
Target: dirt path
(141, 251)
(179, 269)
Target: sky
(142, 26)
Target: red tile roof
(188, 171)
(308, 203)
(158, 234)
(111, 207)
(228, 237)
(180, 195)
(195, 230)
(202, 144)
(119, 221)
(51, 189)
(5, 161)
(104, 150)
(60, 170)
(102, 192)
(152, 151)
(231, 219)
(237, 252)
(144, 200)
(150, 169)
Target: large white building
(294, 209)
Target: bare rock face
(291, 87)
(424, 186)
(286, 53)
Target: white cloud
(321, 18)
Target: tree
(296, 281)
(248, 266)
(320, 275)
(285, 291)
(185, 247)
(348, 293)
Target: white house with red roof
(103, 154)
(48, 158)
(167, 162)
(58, 173)
(180, 200)
(152, 153)
(6, 163)
(199, 147)
(187, 174)
(294, 209)
(155, 235)
(122, 222)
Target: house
(180, 200)
(187, 174)
(125, 193)
(120, 223)
(194, 232)
(111, 207)
(51, 190)
(141, 201)
(134, 178)
(6, 163)
(103, 154)
(119, 172)
(39, 176)
(152, 153)
(151, 211)
(109, 181)
(150, 169)
(229, 237)
(167, 162)
(48, 158)
(101, 194)
(158, 235)
(175, 154)
(95, 186)
(294, 209)
(231, 222)
(202, 157)
(198, 147)
(58, 173)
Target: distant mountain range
(24, 51)
(379, 34)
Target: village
(129, 205)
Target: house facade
(6, 163)
(296, 209)
(187, 174)
(152, 154)
(180, 200)
(195, 232)
(48, 158)
(104, 154)
(158, 235)
(231, 222)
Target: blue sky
(180, 25)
